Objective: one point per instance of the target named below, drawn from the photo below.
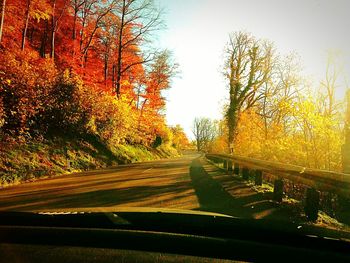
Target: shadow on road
(166, 184)
(221, 193)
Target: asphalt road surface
(158, 184)
(164, 183)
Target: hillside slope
(23, 162)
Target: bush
(25, 82)
(112, 119)
(65, 113)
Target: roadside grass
(56, 156)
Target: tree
(92, 20)
(204, 131)
(328, 105)
(3, 6)
(108, 39)
(219, 144)
(279, 92)
(24, 34)
(87, 40)
(58, 9)
(248, 67)
(150, 100)
(346, 146)
(161, 72)
(37, 9)
(138, 18)
(76, 5)
(180, 140)
(329, 85)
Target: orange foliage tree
(85, 65)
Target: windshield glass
(233, 107)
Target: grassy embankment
(30, 161)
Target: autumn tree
(150, 97)
(329, 106)
(92, 20)
(108, 39)
(219, 143)
(180, 140)
(76, 6)
(2, 19)
(58, 9)
(295, 121)
(95, 47)
(12, 22)
(279, 92)
(160, 74)
(346, 146)
(37, 10)
(24, 34)
(248, 67)
(204, 131)
(140, 19)
(25, 83)
(317, 117)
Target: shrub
(25, 82)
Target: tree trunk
(106, 69)
(43, 40)
(74, 36)
(113, 78)
(138, 96)
(2, 18)
(120, 46)
(232, 116)
(141, 113)
(53, 33)
(53, 30)
(24, 33)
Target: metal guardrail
(316, 180)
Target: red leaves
(26, 80)
(81, 37)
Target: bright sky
(197, 31)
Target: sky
(197, 31)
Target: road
(158, 184)
(164, 183)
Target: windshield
(234, 107)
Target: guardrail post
(236, 169)
(229, 167)
(258, 177)
(278, 190)
(312, 203)
(225, 164)
(245, 173)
